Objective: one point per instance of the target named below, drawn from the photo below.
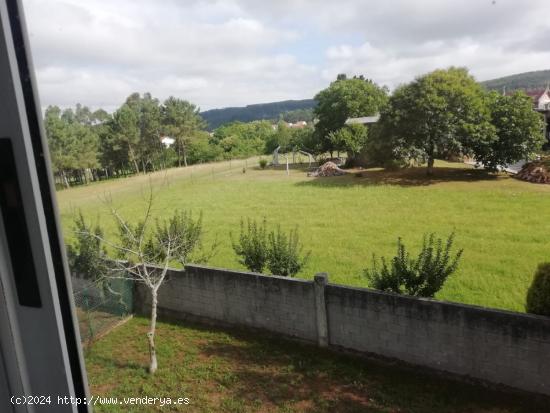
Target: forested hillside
(527, 80)
(249, 113)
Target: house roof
(534, 94)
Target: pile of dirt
(328, 169)
(536, 171)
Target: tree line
(443, 114)
(90, 145)
(86, 145)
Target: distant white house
(167, 141)
(296, 125)
(541, 98)
(364, 120)
(300, 124)
(541, 103)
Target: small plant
(421, 277)
(538, 295)
(251, 246)
(285, 253)
(263, 163)
(279, 252)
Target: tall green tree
(439, 113)
(58, 142)
(345, 98)
(74, 146)
(351, 139)
(150, 131)
(125, 135)
(181, 120)
(518, 131)
(86, 149)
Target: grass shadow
(414, 176)
(119, 364)
(279, 372)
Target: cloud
(390, 68)
(237, 52)
(212, 54)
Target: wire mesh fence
(101, 306)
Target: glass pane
(399, 149)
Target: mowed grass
(238, 371)
(502, 224)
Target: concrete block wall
(497, 346)
(277, 304)
(492, 345)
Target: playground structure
(275, 161)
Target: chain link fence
(101, 306)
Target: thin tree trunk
(430, 169)
(151, 334)
(134, 159)
(184, 156)
(65, 180)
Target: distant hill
(302, 108)
(249, 113)
(527, 80)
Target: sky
(237, 52)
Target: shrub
(263, 163)
(285, 253)
(538, 295)
(423, 276)
(182, 235)
(87, 255)
(252, 246)
(279, 252)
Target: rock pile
(328, 169)
(536, 171)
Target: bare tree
(145, 251)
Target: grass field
(503, 224)
(221, 371)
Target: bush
(263, 163)
(251, 246)
(279, 252)
(538, 295)
(421, 277)
(87, 256)
(285, 253)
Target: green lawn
(238, 371)
(503, 224)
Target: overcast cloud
(238, 52)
